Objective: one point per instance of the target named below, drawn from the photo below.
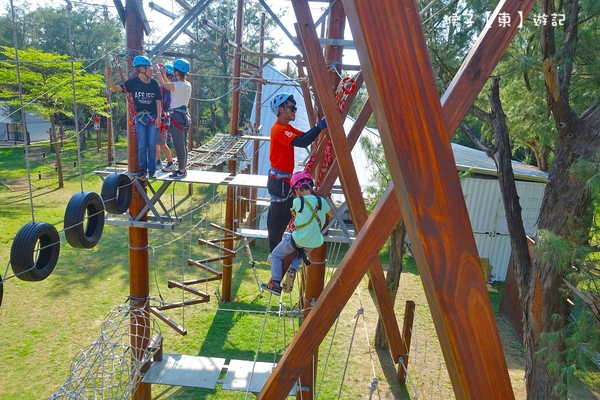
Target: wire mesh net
(110, 368)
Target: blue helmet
(182, 66)
(141, 61)
(279, 99)
(169, 70)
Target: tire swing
(116, 193)
(79, 234)
(22, 253)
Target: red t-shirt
(281, 153)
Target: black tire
(1, 290)
(80, 234)
(24, 249)
(116, 193)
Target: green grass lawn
(45, 324)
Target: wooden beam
(340, 288)
(386, 215)
(413, 134)
(349, 179)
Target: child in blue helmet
(145, 94)
(181, 92)
(161, 143)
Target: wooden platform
(203, 372)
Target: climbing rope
(69, 8)
(23, 123)
(130, 106)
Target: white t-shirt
(181, 94)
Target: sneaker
(272, 286)
(141, 174)
(170, 167)
(152, 175)
(177, 174)
(269, 259)
(288, 283)
(158, 164)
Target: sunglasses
(292, 108)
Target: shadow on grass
(391, 374)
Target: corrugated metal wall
(488, 220)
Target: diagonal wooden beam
(422, 167)
(466, 86)
(353, 135)
(349, 179)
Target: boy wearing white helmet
(309, 213)
(145, 93)
(161, 143)
(284, 137)
(181, 92)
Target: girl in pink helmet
(309, 213)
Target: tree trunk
(392, 278)
(53, 140)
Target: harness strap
(313, 217)
(301, 252)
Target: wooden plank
(178, 328)
(348, 177)
(413, 135)
(216, 246)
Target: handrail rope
(52, 88)
(76, 120)
(130, 106)
(412, 384)
(107, 88)
(22, 109)
(337, 321)
(374, 381)
(262, 331)
(358, 312)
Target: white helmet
(278, 100)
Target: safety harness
(315, 215)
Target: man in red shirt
(284, 138)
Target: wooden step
(235, 235)
(200, 264)
(178, 328)
(216, 246)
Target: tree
(556, 75)
(45, 29)
(47, 91)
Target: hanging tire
(36, 245)
(116, 193)
(84, 231)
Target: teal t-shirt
(309, 236)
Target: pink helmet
(300, 178)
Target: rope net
(110, 367)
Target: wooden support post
(435, 214)
(139, 280)
(409, 316)
(232, 165)
(348, 177)
(476, 68)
